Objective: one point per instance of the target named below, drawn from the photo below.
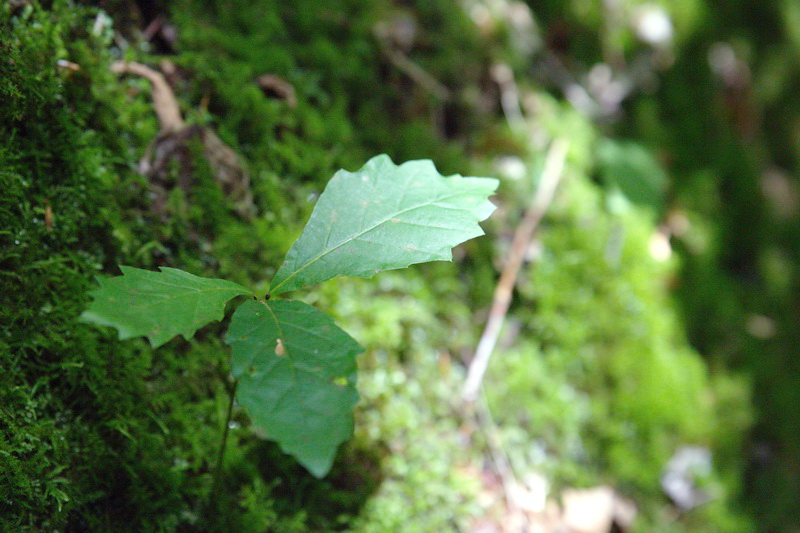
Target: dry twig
(551, 175)
(419, 75)
(502, 463)
(171, 144)
(164, 101)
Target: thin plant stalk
(223, 444)
(551, 175)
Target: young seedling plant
(294, 369)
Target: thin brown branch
(164, 101)
(509, 95)
(551, 175)
(419, 75)
(501, 461)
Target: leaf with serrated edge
(159, 305)
(384, 217)
(296, 373)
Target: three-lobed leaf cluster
(295, 369)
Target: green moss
(91, 437)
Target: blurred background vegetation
(657, 312)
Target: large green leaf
(384, 217)
(633, 170)
(296, 373)
(159, 305)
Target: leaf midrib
(356, 236)
(166, 299)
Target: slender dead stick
(417, 73)
(502, 462)
(164, 101)
(551, 175)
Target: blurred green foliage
(627, 168)
(602, 384)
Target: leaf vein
(363, 232)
